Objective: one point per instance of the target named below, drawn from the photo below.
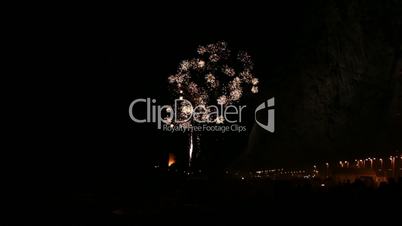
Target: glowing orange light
(172, 159)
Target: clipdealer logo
(210, 116)
(270, 126)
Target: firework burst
(215, 76)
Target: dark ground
(195, 201)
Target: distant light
(322, 185)
(171, 160)
(242, 178)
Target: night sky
(330, 70)
(334, 68)
(126, 59)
